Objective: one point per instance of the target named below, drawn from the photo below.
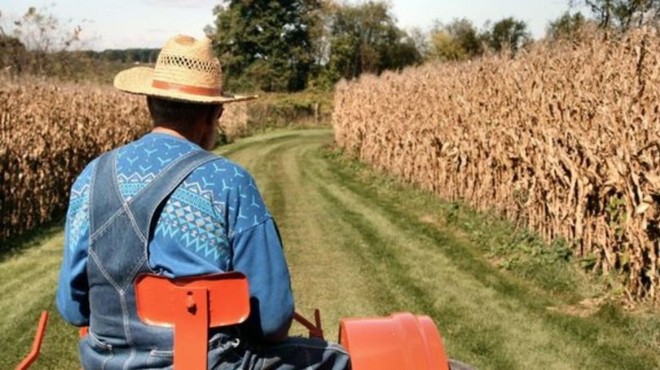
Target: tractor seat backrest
(191, 306)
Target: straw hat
(186, 70)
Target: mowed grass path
(363, 247)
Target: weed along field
(360, 243)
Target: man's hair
(177, 115)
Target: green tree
(458, 40)
(508, 33)
(39, 44)
(41, 32)
(622, 14)
(12, 51)
(265, 44)
(365, 38)
(566, 27)
(445, 47)
(421, 40)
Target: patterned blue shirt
(214, 221)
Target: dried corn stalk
(563, 138)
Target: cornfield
(49, 131)
(563, 138)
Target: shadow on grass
(31, 239)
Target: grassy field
(361, 244)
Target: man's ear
(214, 114)
(219, 109)
(150, 104)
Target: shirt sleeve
(257, 252)
(72, 288)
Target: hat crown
(187, 61)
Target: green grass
(27, 282)
(539, 283)
(360, 243)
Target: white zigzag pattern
(192, 242)
(135, 178)
(79, 205)
(80, 192)
(197, 232)
(196, 188)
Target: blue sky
(149, 23)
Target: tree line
(292, 45)
(133, 55)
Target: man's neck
(181, 135)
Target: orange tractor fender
(401, 341)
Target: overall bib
(118, 251)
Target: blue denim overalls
(118, 251)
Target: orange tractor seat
(192, 305)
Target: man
(164, 205)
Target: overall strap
(144, 205)
(107, 202)
(105, 198)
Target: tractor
(191, 306)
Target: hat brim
(138, 80)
